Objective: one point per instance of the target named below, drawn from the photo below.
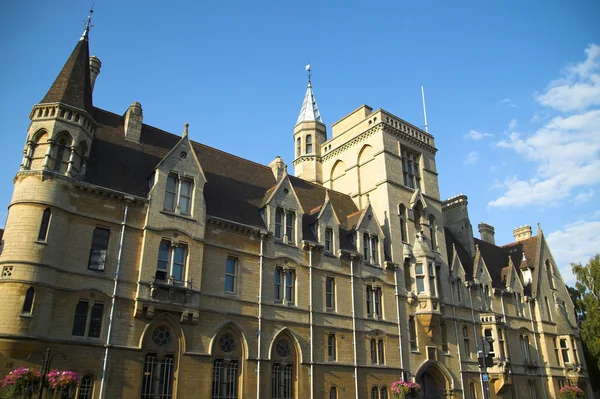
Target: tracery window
(282, 381)
(86, 386)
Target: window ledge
(171, 213)
(41, 242)
(26, 315)
(415, 352)
(330, 254)
(231, 294)
(330, 310)
(287, 244)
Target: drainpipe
(507, 337)
(398, 321)
(476, 338)
(113, 303)
(259, 332)
(310, 319)
(353, 326)
(459, 352)
(531, 309)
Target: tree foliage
(588, 287)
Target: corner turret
(309, 135)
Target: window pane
(99, 249)
(185, 197)
(179, 263)
(85, 387)
(329, 295)
(289, 286)
(278, 222)
(28, 303)
(96, 320)
(277, 287)
(170, 193)
(420, 284)
(419, 268)
(170, 201)
(162, 267)
(230, 270)
(80, 319)
(44, 225)
(289, 226)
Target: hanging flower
(21, 383)
(405, 389)
(570, 392)
(62, 383)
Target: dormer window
(371, 248)
(178, 195)
(328, 240)
(284, 223)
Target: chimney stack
(522, 233)
(456, 219)
(278, 167)
(95, 66)
(133, 122)
(486, 232)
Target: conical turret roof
(310, 110)
(72, 86)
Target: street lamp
(46, 362)
(486, 361)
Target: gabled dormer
(369, 237)
(458, 274)
(177, 189)
(283, 212)
(482, 279)
(327, 227)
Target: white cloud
(566, 153)
(471, 158)
(509, 102)
(574, 243)
(583, 196)
(513, 124)
(476, 135)
(578, 88)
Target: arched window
(384, 393)
(28, 302)
(433, 232)
(60, 152)
(86, 387)
(309, 148)
(282, 370)
(333, 393)
(43, 234)
(225, 376)
(298, 147)
(374, 393)
(402, 215)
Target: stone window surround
(285, 225)
(173, 245)
(283, 272)
(177, 194)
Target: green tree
(587, 305)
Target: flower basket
(570, 392)
(21, 383)
(405, 390)
(62, 384)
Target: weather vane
(307, 68)
(88, 23)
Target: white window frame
(170, 262)
(178, 195)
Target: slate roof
(463, 255)
(72, 86)
(236, 188)
(496, 258)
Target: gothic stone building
(163, 268)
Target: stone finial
(134, 118)
(185, 129)
(278, 167)
(95, 66)
(522, 233)
(487, 232)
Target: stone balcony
(178, 297)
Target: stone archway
(434, 380)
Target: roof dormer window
(329, 240)
(285, 225)
(178, 195)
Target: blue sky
(512, 88)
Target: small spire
(88, 24)
(310, 109)
(185, 129)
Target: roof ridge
(192, 141)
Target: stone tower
(309, 135)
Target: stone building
(163, 268)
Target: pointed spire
(72, 86)
(310, 109)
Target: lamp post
(46, 362)
(484, 361)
